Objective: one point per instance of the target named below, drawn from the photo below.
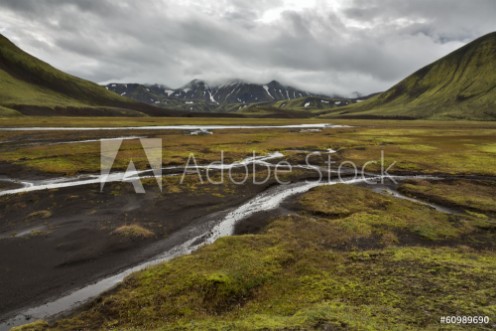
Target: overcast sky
(322, 46)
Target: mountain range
(461, 85)
(198, 95)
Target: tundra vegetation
(378, 263)
(342, 257)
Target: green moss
(290, 277)
(41, 214)
(489, 148)
(7, 112)
(478, 196)
(133, 231)
(27, 81)
(440, 149)
(368, 214)
(419, 148)
(34, 326)
(449, 88)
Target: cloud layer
(322, 46)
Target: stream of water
(80, 180)
(179, 127)
(267, 200)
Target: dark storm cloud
(324, 46)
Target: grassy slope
(378, 264)
(314, 106)
(461, 85)
(7, 112)
(26, 81)
(313, 103)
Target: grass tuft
(134, 231)
(42, 214)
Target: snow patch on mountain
(267, 89)
(212, 97)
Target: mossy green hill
(31, 86)
(461, 85)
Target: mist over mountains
(460, 85)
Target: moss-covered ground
(476, 196)
(341, 258)
(376, 263)
(416, 146)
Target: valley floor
(334, 257)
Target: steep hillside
(461, 85)
(31, 86)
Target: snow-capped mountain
(198, 92)
(242, 92)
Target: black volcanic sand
(55, 241)
(8, 185)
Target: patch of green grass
(291, 276)
(133, 231)
(42, 214)
(27, 82)
(478, 196)
(419, 148)
(426, 147)
(7, 112)
(489, 148)
(14, 90)
(362, 213)
(428, 150)
(457, 86)
(34, 326)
